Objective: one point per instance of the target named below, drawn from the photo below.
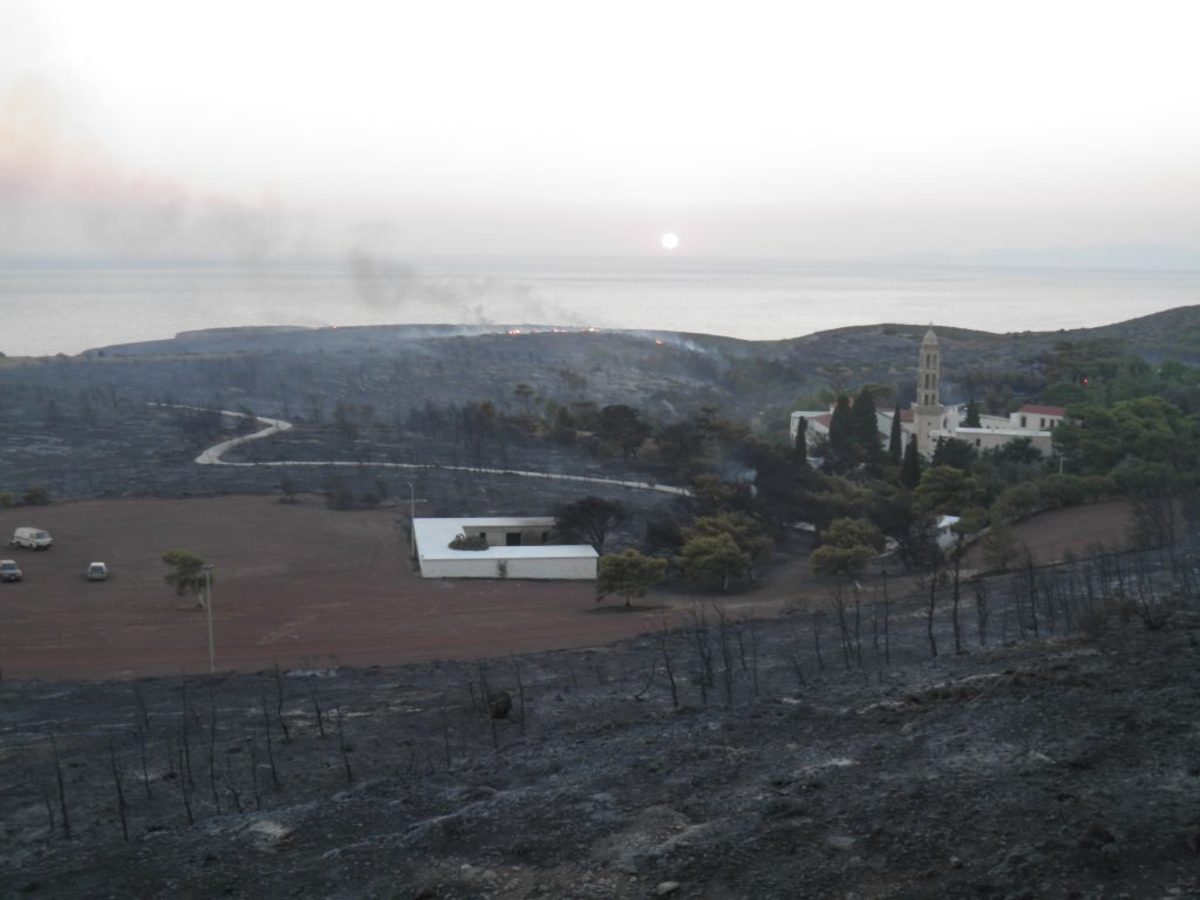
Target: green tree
(681, 446)
(896, 439)
(778, 493)
(1019, 451)
(187, 576)
(999, 546)
(910, 470)
(628, 574)
(865, 428)
(1096, 439)
(848, 532)
(841, 562)
(715, 557)
(848, 545)
(972, 418)
(841, 433)
(712, 495)
(800, 447)
(953, 452)
(945, 490)
(895, 513)
(1016, 502)
(590, 518)
(623, 426)
(743, 529)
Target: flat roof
(498, 521)
(1003, 432)
(433, 537)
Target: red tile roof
(1043, 410)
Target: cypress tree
(972, 419)
(800, 448)
(841, 432)
(910, 470)
(896, 439)
(866, 427)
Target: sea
(52, 306)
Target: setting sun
(669, 241)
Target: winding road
(213, 456)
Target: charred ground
(81, 427)
(1066, 766)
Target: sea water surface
(66, 306)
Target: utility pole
(208, 568)
(412, 516)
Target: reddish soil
(295, 584)
(1051, 535)
(302, 585)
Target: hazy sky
(804, 130)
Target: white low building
(518, 547)
(1036, 423)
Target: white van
(32, 538)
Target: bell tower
(927, 411)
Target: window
(545, 537)
(1041, 423)
(1022, 421)
(978, 442)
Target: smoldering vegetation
(84, 426)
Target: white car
(9, 570)
(97, 571)
(31, 538)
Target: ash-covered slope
(1049, 769)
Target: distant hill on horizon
(1172, 333)
(1140, 257)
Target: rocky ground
(1067, 767)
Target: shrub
(474, 542)
(1064, 490)
(339, 497)
(37, 496)
(1098, 487)
(1016, 502)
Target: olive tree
(187, 575)
(628, 574)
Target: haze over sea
(66, 306)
